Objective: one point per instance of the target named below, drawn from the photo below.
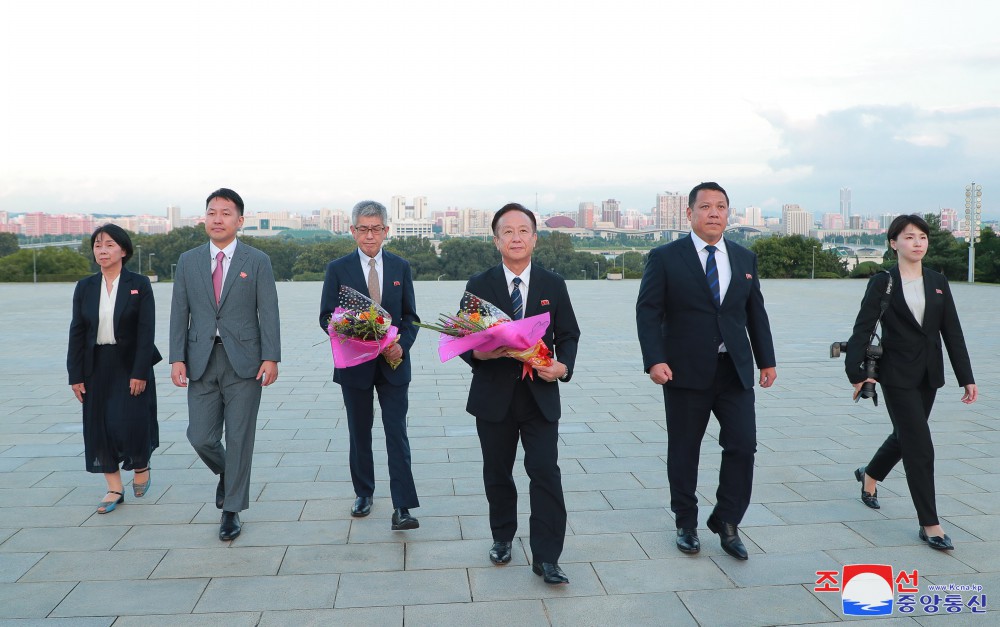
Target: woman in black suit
(110, 362)
(920, 313)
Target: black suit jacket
(134, 326)
(397, 299)
(910, 351)
(493, 380)
(679, 325)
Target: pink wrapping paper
(516, 334)
(349, 352)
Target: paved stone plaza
(302, 560)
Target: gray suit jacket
(246, 317)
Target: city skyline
(129, 109)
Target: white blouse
(913, 293)
(106, 313)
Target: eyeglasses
(374, 230)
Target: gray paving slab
(226, 619)
(277, 592)
(417, 587)
(368, 616)
(641, 610)
(760, 605)
(303, 560)
(131, 597)
(499, 613)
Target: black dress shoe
(220, 492)
(729, 537)
(362, 506)
(687, 540)
(401, 520)
(230, 526)
(941, 543)
(550, 573)
(869, 499)
(500, 552)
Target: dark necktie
(712, 275)
(516, 300)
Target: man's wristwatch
(565, 377)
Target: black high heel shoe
(869, 499)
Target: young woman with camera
(920, 313)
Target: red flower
(380, 320)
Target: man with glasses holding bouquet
(387, 280)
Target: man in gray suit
(225, 340)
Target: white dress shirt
(524, 286)
(227, 260)
(106, 312)
(378, 268)
(721, 262)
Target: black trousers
(910, 440)
(688, 412)
(539, 437)
(360, 406)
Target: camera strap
(883, 306)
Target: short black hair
(513, 206)
(710, 185)
(118, 234)
(226, 194)
(901, 222)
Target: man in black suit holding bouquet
(698, 301)
(508, 407)
(387, 280)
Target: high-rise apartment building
(671, 212)
(585, 215)
(611, 211)
(410, 220)
(174, 217)
(845, 204)
(795, 221)
(752, 216)
(949, 220)
(833, 222)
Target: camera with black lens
(873, 352)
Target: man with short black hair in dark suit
(387, 280)
(698, 301)
(508, 407)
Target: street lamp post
(34, 264)
(598, 264)
(139, 255)
(973, 220)
(172, 266)
(151, 255)
(814, 263)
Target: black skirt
(119, 430)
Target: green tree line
(785, 257)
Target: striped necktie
(712, 275)
(516, 300)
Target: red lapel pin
(545, 303)
(137, 291)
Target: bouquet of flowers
(480, 325)
(359, 330)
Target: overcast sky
(131, 106)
